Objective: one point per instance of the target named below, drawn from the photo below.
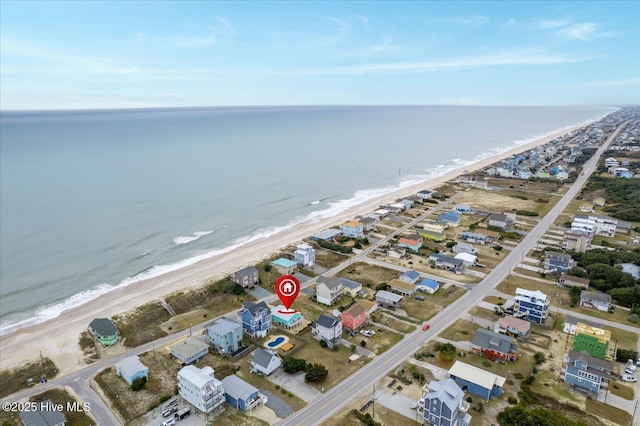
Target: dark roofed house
(493, 345)
(265, 361)
(327, 328)
(240, 394)
(247, 277)
(498, 220)
(43, 416)
(256, 319)
(104, 330)
(368, 224)
(585, 371)
(558, 263)
(446, 262)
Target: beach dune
(58, 337)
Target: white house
(328, 290)
(200, 388)
(467, 259)
(265, 361)
(410, 276)
(592, 299)
(327, 328)
(464, 248)
(304, 255)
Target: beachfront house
(443, 403)
(188, 350)
(368, 224)
(477, 381)
(131, 368)
(328, 290)
(410, 276)
(240, 394)
(200, 388)
(224, 335)
(388, 299)
(428, 286)
(104, 330)
(425, 194)
(531, 305)
(353, 229)
(595, 300)
(494, 346)
(304, 255)
(354, 317)
(256, 319)
(247, 277)
(584, 371)
(284, 266)
(265, 361)
(332, 234)
(327, 328)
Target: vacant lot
(379, 342)
(608, 412)
(460, 330)
(424, 310)
(61, 396)
(497, 201)
(398, 325)
(369, 275)
(18, 379)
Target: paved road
(339, 396)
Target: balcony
(464, 406)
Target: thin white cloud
(585, 31)
(221, 29)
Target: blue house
(225, 335)
(353, 229)
(450, 218)
(463, 208)
(531, 305)
(443, 404)
(585, 371)
(556, 262)
(477, 381)
(428, 285)
(132, 368)
(410, 276)
(240, 394)
(256, 319)
(284, 266)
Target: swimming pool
(276, 342)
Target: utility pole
(373, 400)
(42, 364)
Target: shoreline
(58, 336)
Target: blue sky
(77, 55)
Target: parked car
(169, 411)
(169, 422)
(419, 297)
(426, 327)
(628, 378)
(631, 369)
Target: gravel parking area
(281, 408)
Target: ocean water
(93, 200)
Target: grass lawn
(460, 330)
(15, 380)
(261, 382)
(483, 313)
(310, 309)
(494, 299)
(608, 412)
(625, 339)
(379, 342)
(367, 274)
(400, 326)
(329, 259)
(509, 285)
(622, 391)
(618, 315)
(426, 309)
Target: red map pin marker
(287, 289)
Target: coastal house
(578, 241)
(265, 361)
(369, 306)
(586, 208)
(595, 300)
(327, 235)
(584, 371)
(200, 388)
(304, 255)
(353, 229)
(247, 277)
(463, 208)
(624, 227)
(224, 335)
(557, 263)
(284, 318)
(594, 340)
(568, 281)
(512, 326)
(104, 330)
(256, 319)
(467, 259)
(562, 175)
(353, 317)
(368, 224)
(449, 218)
(477, 381)
(476, 237)
(240, 394)
(410, 243)
(188, 350)
(328, 290)
(464, 248)
(432, 235)
(425, 194)
(446, 262)
(131, 368)
(397, 252)
(498, 221)
(443, 403)
(571, 323)
(388, 299)
(594, 224)
(42, 414)
(350, 287)
(284, 266)
(428, 286)
(410, 276)
(327, 328)
(407, 202)
(494, 346)
(531, 305)
(401, 287)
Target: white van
(630, 369)
(169, 422)
(628, 378)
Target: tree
(292, 365)
(539, 358)
(315, 373)
(138, 384)
(450, 244)
(363, 343)
(574, 294)
(622, 355)
(324, 343)
(447, 352)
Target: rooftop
(131, 365)
(284, 263)
(104, 327)
(590, 360)
(387, 295)
(595, 295)
(327, 321)
(396, 283)
(414, 275)
(247, 271)
(198, 376)
(262, 357)
(327, 233)
(355, 310)
(223, 326)
(353, 223)
(330, 283)
(519, 324)
(428, 282)
(188, 347)
(476, 375)
(349, 283)
(490, 340)
(237, 388)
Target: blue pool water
(276, 342)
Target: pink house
(353, 317)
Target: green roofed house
(592, 340)
(104, 330)
(432, 235)
(284, 266)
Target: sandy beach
(58, 338)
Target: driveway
(294, 383)
(397, 402)
(259, 292)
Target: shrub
(529, 380)
(363, 343)
(447, 352)
(518, 376)
(469, 399)
(138, 384)
(634, 318)
(315, 373)
(323, 343)
(267, 267)
(512, 400)
(292, 365)
(486, 363)
(353, 348)
(539, 358)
